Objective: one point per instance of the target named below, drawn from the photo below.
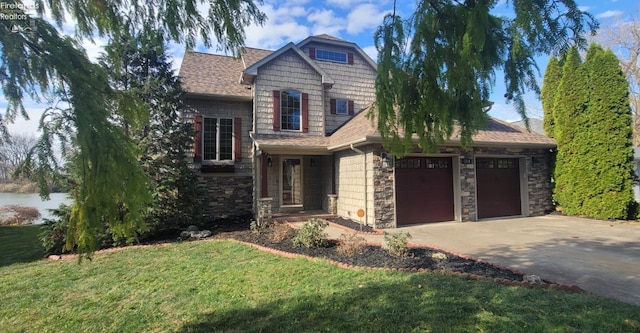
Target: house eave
(218, 97)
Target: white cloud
(344, 4)
(364, 17)
(372, 52)
(609, 14)
(281, 27)
(325, 22)
(584, 8)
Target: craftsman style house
(286, 130)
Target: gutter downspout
(366, 213)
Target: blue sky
(352, 20)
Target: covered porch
(295, 175)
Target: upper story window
(217, 139)
(331, 56)
(339, 57)
(290, 110)
(342, 106)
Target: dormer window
(331, 56)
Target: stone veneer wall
(227, 196)
(383, 190)
(537, 166)
(538, 171)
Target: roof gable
(249, 74)
(330, 40)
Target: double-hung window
(290, 110)
(217, 139)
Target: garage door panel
(498, 187)
(424, 190)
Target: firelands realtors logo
(18, 14)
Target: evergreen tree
(139, 66)
(606, 140)
(438, 67)
(38, 62)
(570, 104)
(552, 77)
(593, 129)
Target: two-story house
(286, 130)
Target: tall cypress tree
(593, 130)
(606, 139)
(552, 77)
(569, 106)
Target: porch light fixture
(312, 162)
(385, 160)
(466, 160)
(269, 162)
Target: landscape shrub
(396, 244)
(279, 232)
(311, 234)
(350, 244)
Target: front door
(291, 181)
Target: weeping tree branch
(439, 85)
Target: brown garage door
(424, 190)
(498, 181)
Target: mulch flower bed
(419, 258)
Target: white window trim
(233, 146)
(346, 56)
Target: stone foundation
(227, 196)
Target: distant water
(34, 200)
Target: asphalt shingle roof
(213, 74)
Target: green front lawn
(20, 244)
(211, 286)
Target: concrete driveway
(598, 256)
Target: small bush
(350, 244)
(256, 227)
(54, 231)
(311, 234)
(279, 232)
(18, 215)
(396, 244)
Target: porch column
(265, 210)
(264, 165)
